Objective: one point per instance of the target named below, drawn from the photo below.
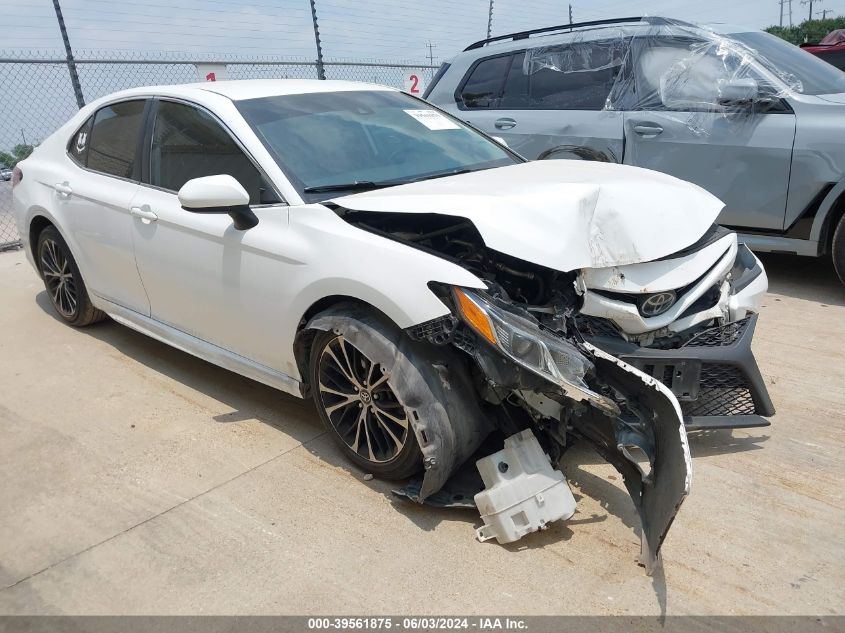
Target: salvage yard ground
(135, 478)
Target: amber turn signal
(475, 316)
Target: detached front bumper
(714, 375)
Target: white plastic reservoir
(523, 493)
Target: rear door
(548, 103)
(741, 154)
(95, 197)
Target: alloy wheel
(359, 402)
(58, 277)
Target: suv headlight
(522, 340)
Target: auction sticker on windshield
(433, 120)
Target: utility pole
(431, 48)
(570, 14)
(321, 71)
(810, 2)
(790, 13)
(71, 64)
(490, 19)
(824, 12)
(781, 12)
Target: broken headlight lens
(522, 340)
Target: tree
(19, 152)
(810, 31)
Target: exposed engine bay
(546, 293)
(532, 369)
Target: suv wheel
(358, 405)
(837, 249)
(62, 280)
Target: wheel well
(831, 221)
(38, 224)
(305, 338)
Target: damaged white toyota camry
(442, 301)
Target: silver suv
(756, 121)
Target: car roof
(241, 89)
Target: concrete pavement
(136, 479)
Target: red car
(831, 49)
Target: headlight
(521, 340)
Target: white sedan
(429, 289)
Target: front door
(739, 153)
(203, 276)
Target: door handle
(505, 123)
(63, 189)
(647, 129)
(146, 216)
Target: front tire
(359, 407)
(63, 281)
(837, 249)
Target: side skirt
(200, 348)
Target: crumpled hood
(562, 214)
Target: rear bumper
(714, 375)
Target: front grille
(596, 326)
(719, 336)
(723, 390)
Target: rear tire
(63, 281)
(357, 404)
(837, 249)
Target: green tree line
(810, 31)
(18, 153)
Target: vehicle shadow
(247, 398)
(808, 278)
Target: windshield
(326, 140)
(800, 70)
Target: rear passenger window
(77, 148)
(482, 87)
(515, 94)
(578, 76)
(189, 143)
(114, 138)
(555, 90)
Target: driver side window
(686, 76)
(189, 143)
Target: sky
(350, 29)
(36, 98)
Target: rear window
(484, 84)
(77, 148)
(114, 138)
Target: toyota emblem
(656, 304)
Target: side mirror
(218, 194)
(737, 92)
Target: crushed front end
(543, 377)
(687, 320)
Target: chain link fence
(36, 95)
